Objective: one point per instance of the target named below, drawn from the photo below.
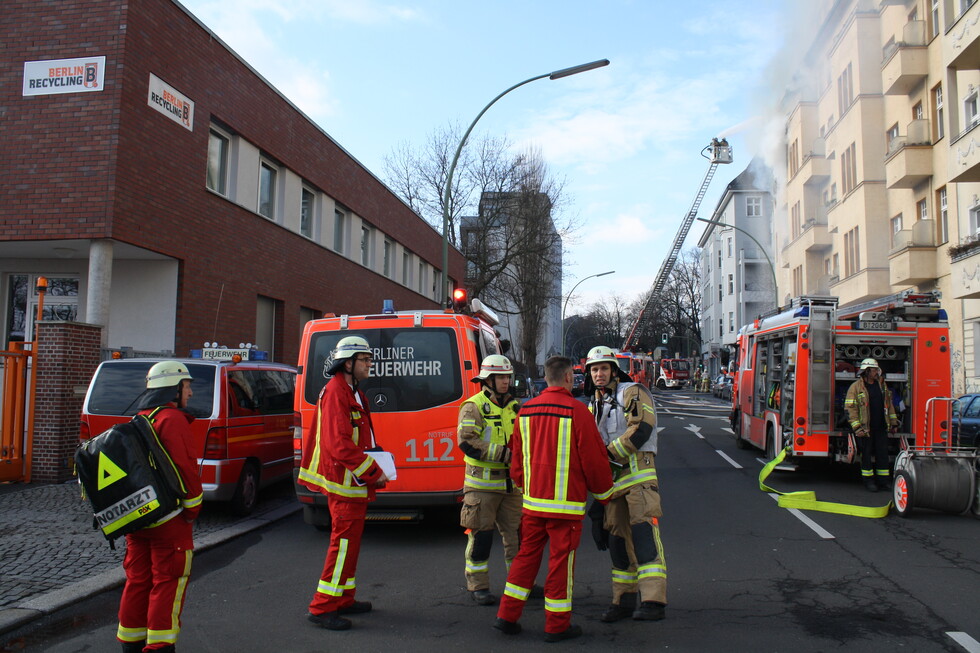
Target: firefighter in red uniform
(335, 463)
(158, 557)
(557, 458)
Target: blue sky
(626, 138)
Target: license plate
(866, 325)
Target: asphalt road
(743, 574)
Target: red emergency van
(423, 365)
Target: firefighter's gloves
(601, 536)
(861, 433)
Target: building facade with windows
(883, 162)
(736, 263)
(172, 195)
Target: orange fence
(15, 412)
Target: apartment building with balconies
(883, 162)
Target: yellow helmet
(166, 374)
(494, 364)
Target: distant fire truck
(672, 373)
(638, 366)
(794, 370)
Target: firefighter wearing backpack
(628, 525)
(334, 463)
(158, 557)
(486, 422)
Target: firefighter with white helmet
(628, 525)
(334, 463)
(158, 557)
(871, 413)
(490, 499)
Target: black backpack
(128, 477)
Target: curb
(34, 608)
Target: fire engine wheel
(771, 449)
(661, 385)
(247, 491)
(902, 494)
(737, 430)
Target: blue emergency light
(388, 306)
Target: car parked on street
(578, 384)
(721, 387)
(966, 420)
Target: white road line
(696, 430)
(730, 461)
(728, 429)
(964, 640)
(814, 526)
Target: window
(890, 136)
(268, 175)
(845, 90)
(836, 267)
(896, 226)
(729, 247)
(267, 310)
(917, 112)
(798, 281)
(731, 284)
(720, 295)
(218, 162)
(406, 268)
(339, 231)
(306, 211)
(389, 253)
(306, 315)
(793, 157)
(974, 221)
(753, 207)
(848, 169)
(795, 224)
(421, 279)
(719, 258)
(934, 25)
(366, 246)
(60, 303)
(921, 210)
(970, 110)
(731, 321)
(937, 103)
(852, 254)
(721, 328)
(942, 226)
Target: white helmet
(868, 363)
(494, 364)
(166, 374)
(601, 354)
(348, 347)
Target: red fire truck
(672, 373)
(794, 370)
(638, 366)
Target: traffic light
(663, 339)
(459, 299)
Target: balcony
(905, 63)
(815, 169)
(909, 159)
(964, 155)
(965, 270)
(869, 283)
(913, 257)
(961, 47)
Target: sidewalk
(51, 557)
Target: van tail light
(216, 446)
(84, 433)
(297, 439)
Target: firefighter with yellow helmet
(628, 525)
(871, 413)
(486, 422)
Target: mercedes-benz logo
(380, 400)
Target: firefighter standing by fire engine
(335, 463)
(158, 558)
(628, 525)
(558, 459)
(872, 414)
(486, 422)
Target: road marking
(696, 430)
(964, 640)
(725, 456)
(814, 526)
(725, 428)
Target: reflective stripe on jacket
(485, 430)
(333, 460)
(558, 456)
(622, 414)
(856, 404)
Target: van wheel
(247, 491)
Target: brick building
(173, 196)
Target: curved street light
(572, 292)
(558, 74)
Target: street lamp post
(772, 269)
(563, 329)
(447, 191)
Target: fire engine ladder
(720, 153)
(821, 343)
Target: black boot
(330, 621)
(650, 611)
(621, 610)
(870, 485)
(133, 647)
